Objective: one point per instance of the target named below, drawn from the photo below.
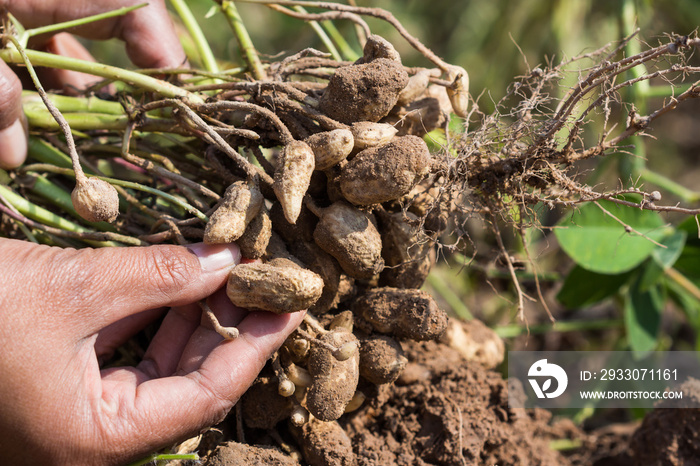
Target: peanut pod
(385, 173)
(278, 286)
(350, 235)
(364, 92)
(330, 147)
(239, 205)
(292, 177)
(333, 381)
(381, 359)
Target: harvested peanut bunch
(278, 286)
(316, 168)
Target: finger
(92, 288)
(67, 45)
(149, 34)
(173, 407)
(116, 334)
(13, 136)
(203, 341)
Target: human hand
(149, 35)
(61, 311)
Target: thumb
(92, 288)
(13, 137)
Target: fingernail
(13, 145)
(214, 257)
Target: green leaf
(583, 288)
(689, 263)
(668, 256)
(599, 243)
(643, 317)
(662, 259)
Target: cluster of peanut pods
(349, 235)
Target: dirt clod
(240, 454)
(365, 92)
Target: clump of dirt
(670, 436)
(445, 410)
(364, 92)
(240, 454)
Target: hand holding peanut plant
(62, 311)
(68, 310)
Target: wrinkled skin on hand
(148, 33)
(62, 311)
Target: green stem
(46, 153)
(125, 184)
(246, 44)
(321, 33)
(206, 56)
(132, 78)
(347, 51)
(633, 164)
(564, 444)
(665, 91)
(442, 288)
(45, 217)
(683, 282)
(53, 28)
(514, 330)
(75, 104)
(166, 457)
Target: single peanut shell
(350, 235)
(475, 341)
(292, 177)
(385, 173)
(96, 200)
(279, 286)
(417, 85)
(334, 382)
(407, 252)
(239, 205)
(381, 359)
(263, 406)
(254, 240)
(324, 444)
(458, 92)
(368, 134)
(322, 263)
(330, 147)
(378, 47)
